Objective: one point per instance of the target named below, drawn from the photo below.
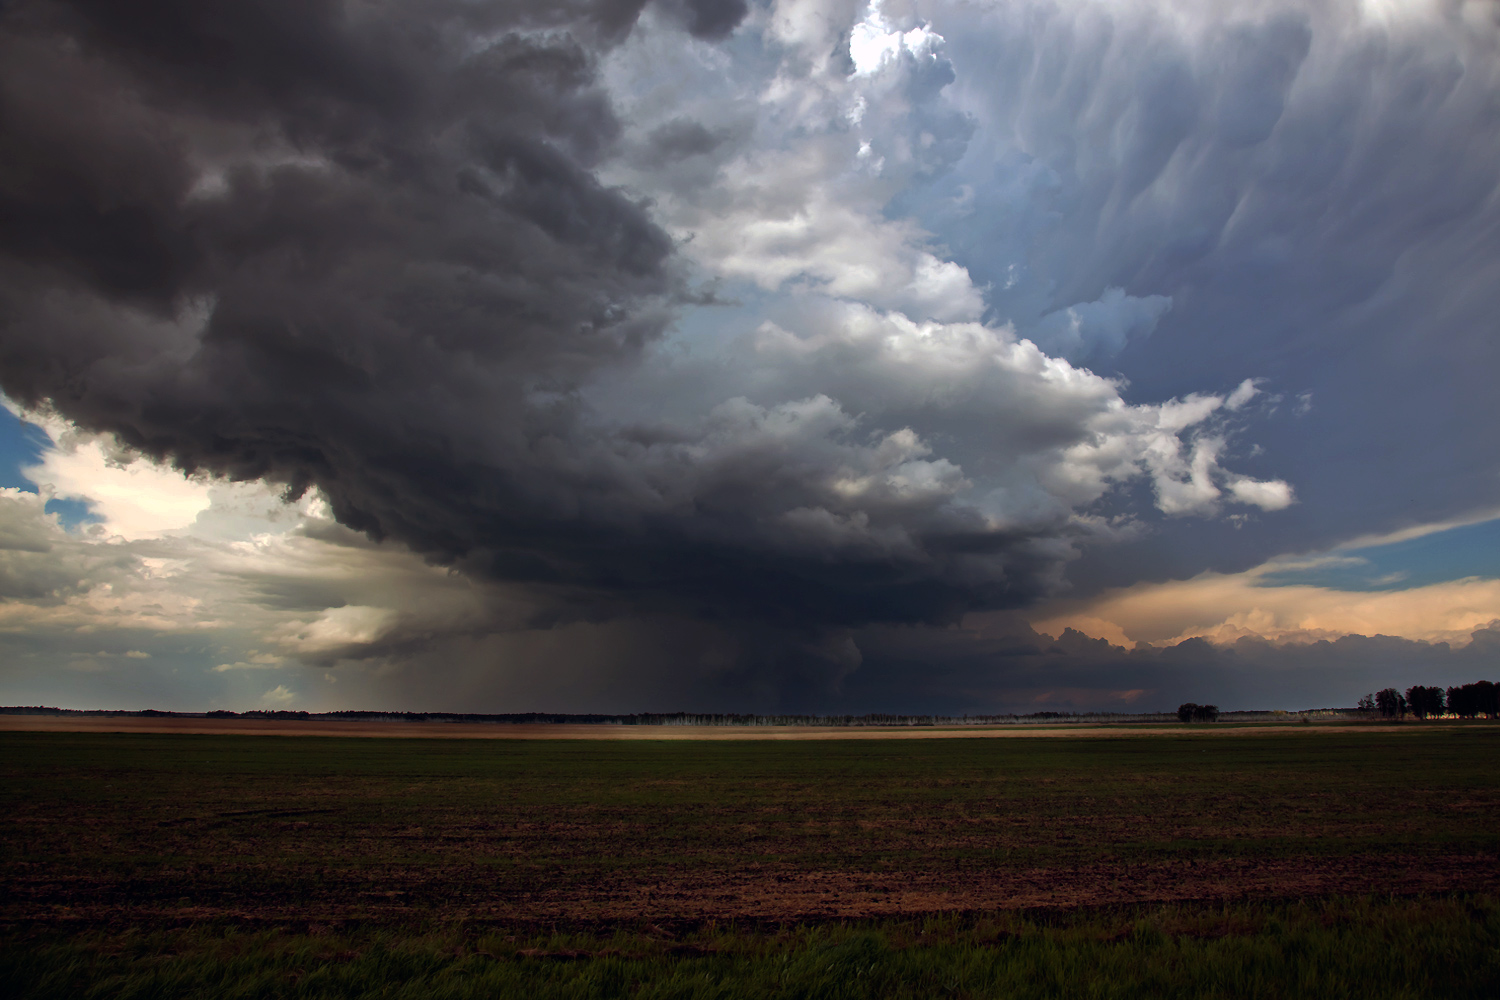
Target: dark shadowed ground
(102, 829)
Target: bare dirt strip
(567, 731)
(772, 893)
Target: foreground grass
(1365, 948)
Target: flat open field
(168, 828)
(1339, 862)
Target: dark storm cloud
(362, 248)
(997, 665)
(711, 19)
(679, 139)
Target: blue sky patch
(1468, 550)
(21, 445)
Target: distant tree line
(635, 719)
(1192, 712)
(1468, 701)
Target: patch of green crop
(1337, 948)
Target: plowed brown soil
(151, 828)
(766, 894)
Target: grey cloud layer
(1002, 665)
(353, 247)
(655, 311)
(365, 249)
(655, 664)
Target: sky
(747, 355)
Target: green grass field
(1334, 949)
(1294, 864)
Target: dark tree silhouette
(1461, 701)
(1390, 703)
(1473, 700)
(1424, 702)
(1206, 713)
(1488, 698)
(1367, 703)
(1186, 710)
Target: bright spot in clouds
(873, 41)
(279, 696)
(130, 496)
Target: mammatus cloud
(1308, 184)
(689, 334)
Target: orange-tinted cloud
(1226, 607)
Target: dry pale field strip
(565, 731)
